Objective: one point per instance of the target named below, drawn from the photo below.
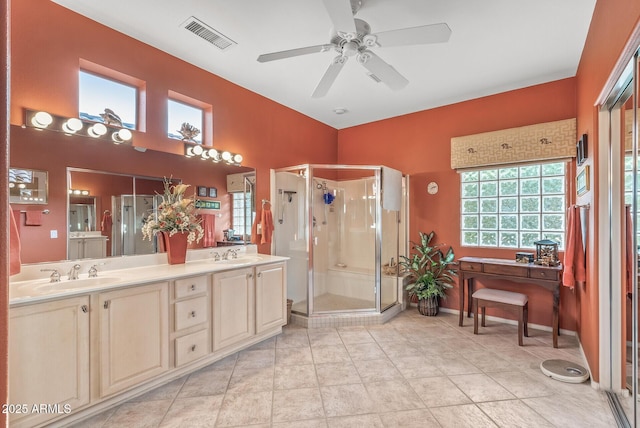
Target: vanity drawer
(507, 270)
(551, 275)
(191, 347)
(193, 286)
(190, 312)
(470, 266)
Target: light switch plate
(54, 234)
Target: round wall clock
(432, 188)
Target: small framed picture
(213, 192)
(582, 181)
(582, 150)
(28, 186)
(202, 191)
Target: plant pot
(175, 246)
(428, 306)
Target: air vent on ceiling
(214, 37)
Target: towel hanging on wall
(574, 260)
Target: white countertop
(34, 286)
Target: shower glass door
(344, 204)
(291, 238)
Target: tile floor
(413, 371)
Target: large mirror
(99, 194)
(107, 211)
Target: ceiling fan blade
(329, 76)
(341, 15)
(424, 34)
(294, 52)
(383, 71)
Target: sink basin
(74, 284)
(240, 260)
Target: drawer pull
(193, 287)
(84, 308)
(259, 274)
(249, 275)
(193, 348)
(193, 314)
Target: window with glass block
(514, 206)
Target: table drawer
(471, 266)
(507, 270)
(191, 347)
(193, 286)
(551, 275)
(190, 312)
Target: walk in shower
(342, 227)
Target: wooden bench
(508, 300)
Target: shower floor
(334, 302)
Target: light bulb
(197, 150)
(72, 125)
(121, 136)
(97, 130)
(238, 158)
(41, 119)
(226, 156)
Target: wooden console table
(549, 277)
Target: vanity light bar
(216, 156)
(73, 126)
(78, 192)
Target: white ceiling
(495, 46)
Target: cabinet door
(271, 300)
(95, 248)
(134, 336)
(49, 358)
(233, 307)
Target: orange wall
(612, 23)
(4, 200)
(48, 42)
(419, 144)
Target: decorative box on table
(524, 257)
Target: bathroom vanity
(80, 346)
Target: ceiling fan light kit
(353, 38)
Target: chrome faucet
(234, 254)
(55, 275)
(93, 271)
(74, 271)
(216, 256)
(225, 255)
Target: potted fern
(430, 271)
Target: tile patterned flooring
(412, 371)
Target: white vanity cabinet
(233, 307)
(191, 318)
(248, 302)
(271, 298)
(48, 359)
(133, 336)
(83, 247)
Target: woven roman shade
(533, 143)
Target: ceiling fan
(353, 37)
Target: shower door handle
(315, 240)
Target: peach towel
(209, 226)
(574, 261)
(265, 220)
(14, 245)
(33, 217)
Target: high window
(100, 97)
(513, 206)
(181, 115)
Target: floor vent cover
(204, 31)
